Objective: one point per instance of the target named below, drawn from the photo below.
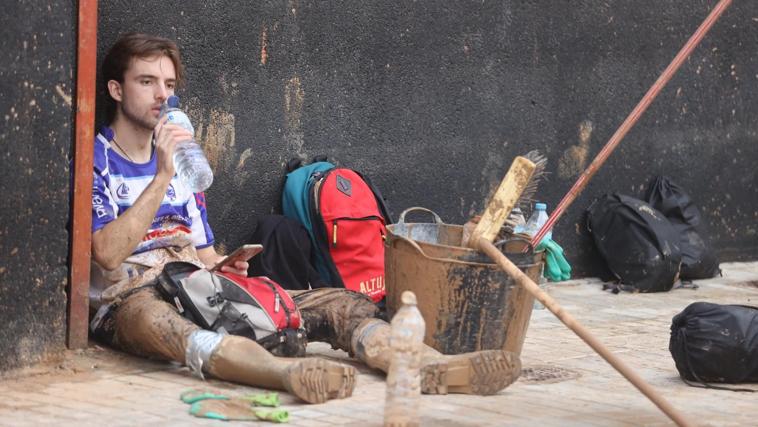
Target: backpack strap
(380, 200)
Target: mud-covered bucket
(468, 302)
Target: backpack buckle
(215, 300)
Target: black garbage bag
(286, 255)
(716, 343)
(637, 242)
(698, 258)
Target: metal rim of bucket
(438, 220)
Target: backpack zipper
(276, 301)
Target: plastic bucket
(468, 302)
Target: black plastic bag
(698, 258)
(286, 253)
(637, 242)
(716, 343)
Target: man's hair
(128, 47)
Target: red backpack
(349, 219)
(253, 307)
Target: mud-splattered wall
(37, 59)
(434, 99)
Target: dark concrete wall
(37, 57)
(434, 99)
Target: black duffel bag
(638, 243)
(713, 343)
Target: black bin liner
(716, 343)
(638, 243)
(698, 258)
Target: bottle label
(178, 117)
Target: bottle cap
(540, 206)
(173, 101)
(408, 298)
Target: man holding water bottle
(145, 217)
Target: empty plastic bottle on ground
(189, 160)
(404, 376)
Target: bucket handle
(437, 219)
(420, 250)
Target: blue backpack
(296, 203)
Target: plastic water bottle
(537, 220)
(189, 160)
(404, 375)
(519, 221)
(533, 225)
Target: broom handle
(630, 121)
(524, 280)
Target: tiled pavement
(567, 383)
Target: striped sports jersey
(118, 183)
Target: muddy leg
(482, 372)
(312, 379)
(145, 325)
(332, 314)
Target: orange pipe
(81, 224)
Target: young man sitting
(144, 217)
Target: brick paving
(566, 383)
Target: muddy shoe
(317, 380)
(483, 372)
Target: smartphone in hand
(243, 253)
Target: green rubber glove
(208, 403)
(195, 395)
(236, 410)
(557, 268)
(269, 399)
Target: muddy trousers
(482, 372)
(143, 324)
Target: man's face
(147, 84)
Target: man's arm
(112, 244)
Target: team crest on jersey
(122, 191)
(171, 193)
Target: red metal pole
(630, 121)
(81, 236)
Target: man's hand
(239, 268)
(167, 135)
(210, 257)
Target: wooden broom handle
(522, 279)
(503, 201)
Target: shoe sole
(316, 380)
(484, 373)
